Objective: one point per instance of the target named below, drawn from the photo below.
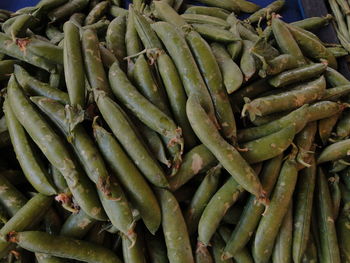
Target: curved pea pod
(73, 65)
(204, 19)
(174, 229)
(218, 245)
(200, 199)
(226, 154)
(325, 127)
(335, 151)
(343, 125)
(33, 210)
(297, 75)
(286, 100)
(198, 159)
(93, 63)
(247, 63)
(185, 64)
(270, 223)
(67, 9)
(334, 78)
(211, 73)
(231, 73)
(77, 225)
(304, 141)
(303, 209)
(313, 23)
(107, 56)
(213, 213)
(19, 26)
(286, 41)
(202, 254)
(31, 166)
(324, 109)
(214, 33)
(281, 63)
(269, 146)
(327, 232)
(209, 11)
(115, 37)
(66, 247)
(263, 13)
(282, 251)
(97, 12)
(54, 149)
(295, 118)
(132, 40)
(246, 33)
(337, 92)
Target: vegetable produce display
(170, 132)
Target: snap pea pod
(156, 248)
(185, 64)
(97, 12)
(342, 130)
(338, 51)
(6, 68)
(281, 63)
(231, 73)
(246, 33)
(204, 19)
(211, 73)
(65, 247)
(174, 229)
(225, 4)
(10, 48)
(117, 11)
(77, 225)
(297, 75)
(43, 49)
(269, 146)
(270, 223)
(107, 56)
(337, 92)
(45, 258)
(165, 12)
(334, 78)
(33, 210)
(57, 153)
(342, 229)
(202, 254)
(19, 26)
(329, 249)
(335, 151)
(47, 5)
(304, 141)
(252, 212)
(132, 40)
(77, 19)
(325, 127)
(247, 63)
(209, 11)
(214, 33)
(200, 199)
(32, 167)
(218, 245)
(67, 9)
(286, 100)
(73, 65)
(313, 23)
(115, 37)
(225, 153)
(133, 252)
(323, 109)
(263, 13)
(282, 251)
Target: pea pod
(77, 225)
(67, 9)
(280, 64)
(209, 11)
(342, 229)
(218, 245)
(115, 37)
(204, 19)
(335, 151)
(335, 194)
(304, 141)
(334, 78)
(133, 252)
(262, 13)
(325, 127)
(202, 254)
(19, 26)
(96, 12)
(246, 33)
(132, 41)
(107, 56)
(225, 4)
(342, 129)
(324, 109)
(247, 63)
(313, 23)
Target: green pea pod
(166, 13)
(174, 229)
(304, 141)
(246, 33)
(325, 127)
(107, 56)
(115, 37)
(225, 4)
(54, 149)
(334, 78)
(198, 159)
(32, 167)
(297, 75)
(73, 65)
(7, 68)
(281, 63)
(204, 19)
(324, 109)
(343, 230)
(247, 63)
(246, 6)
(54, 34)
(132, 40)
(343, 125)
(231, 73)
(334, 151)
(338, 51)
(77, 225)
(133, 252)
(271, 222)
(335, 194)
(211, 73)
(252, 212)
(97, 12)
(202, 254)
(214, 33)
(45, 50)
(313, 23)
(327, 232)
(269, 146)
(232, 215)
(235, 49)
(47, 5)
(45, 258)
(286, 100)
(67, 9)
(66, 247)
(200, 199)
(218, 245)
(208, 11)
(310, 254)
(226, 154)
(19, 26)
(156, 248)
(335, 93)
(263, 13)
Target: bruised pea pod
(335, 151)
(132, 41)
(97, 12)
(226, 154)
(67, 9)
(303, 209)
(286, 100)
(209, 11)
(282, 251)
(328, 238)
(304, 141)
(252, 212)
(270, 223)
(107, 56)
(115, 37)
(247, 63)
(324, 109)
(335, 195)
(124, 133)
(185, 64)
(218, 245)
(174, 229)
(215, 210)
(334, 78)
(54, 149)
(200, 199)
(32, 167)
(297, 75)
(202, 254)
(198, 159)
(44, 49)
(325, 127)
(269, 146)
(211, 73)
(312, 47)
(204, 19)
(73, 65)
(286, 41)
(263, 13)
(342, 130)
(214, 33)
(231, 73)
(77, 225)
(66, 247)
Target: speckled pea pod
(324, 109)
(115, 37)
(209, 11)
(185, 64)
(304, 141)
(325, 127)
(77, 225)
(286, 100)
(54, 149)
(231, 73)
(107, 56)
(329, 248)
(67, 9)
(262, 13)
(174, 229)
(270, 223)
(97, 12)
(226, 154)
(335, 151)
(32, 167)
(281, 63)
(334, 78)
(200, 199)
(247, 63)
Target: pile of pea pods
(171, 132)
